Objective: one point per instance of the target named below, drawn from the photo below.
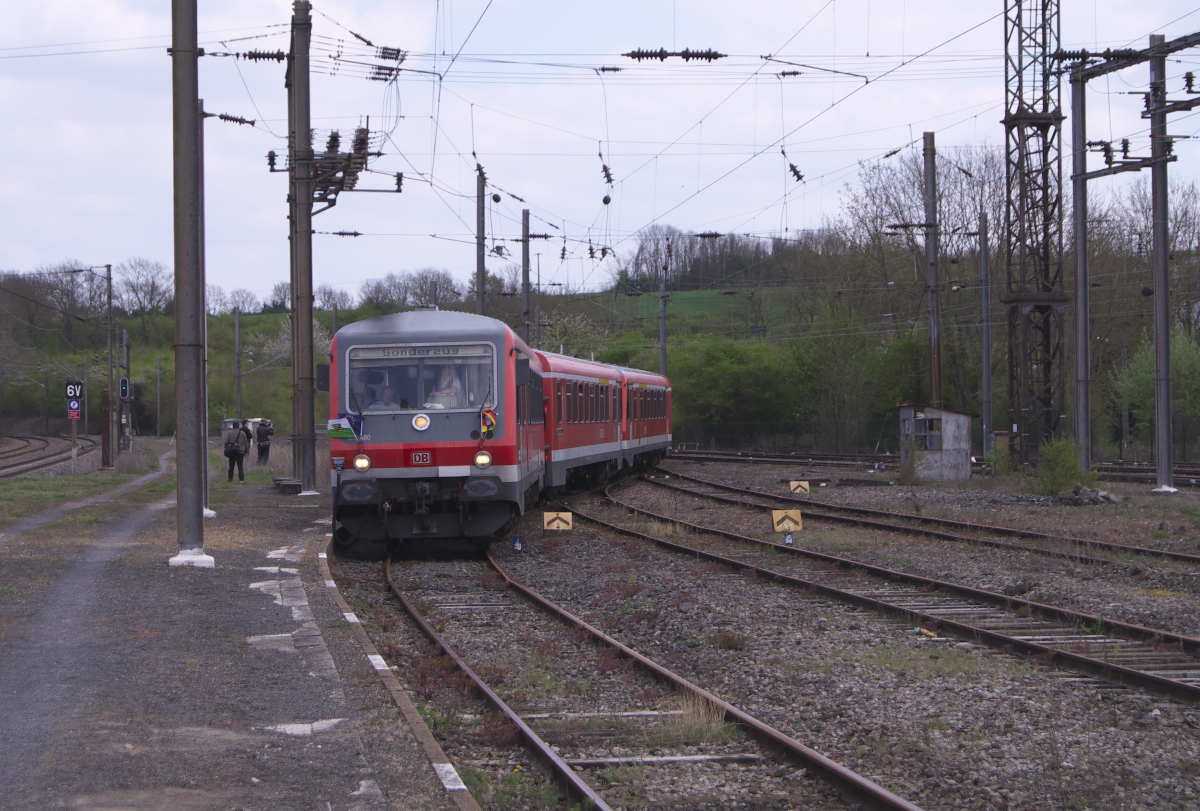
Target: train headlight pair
(483, 459)
(362, 463)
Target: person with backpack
(264, 433)
(237, 445)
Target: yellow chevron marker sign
(798, 487)
(556, 521)
(786, 520)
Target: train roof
(422, 324)
(556, 362)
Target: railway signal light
(123, 388)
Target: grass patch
(24, 496)
(513, 790)
(701, 722)
(926, 661)
(1151, 592)
(1160, 534)
(727, 640)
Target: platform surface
(127, 684)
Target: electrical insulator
(399, 181)
(271, 160)
(564, 253)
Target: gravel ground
(944, 725)
(1148, 591)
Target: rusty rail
(949, 522)
(574, 783)
(1084, 664)
(858, 787)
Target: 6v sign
(74, 391)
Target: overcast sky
(85, 88)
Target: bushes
(1059, 468)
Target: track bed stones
(638, 742)
(943, 725)
(1142, 590)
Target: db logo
(422, 458)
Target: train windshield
(419, 378)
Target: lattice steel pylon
(1033, 238)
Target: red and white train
(446, 425)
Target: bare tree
(280, 300)
(433, 286)
(145, 285)
(244, 301)
(329, 297)
(216, 301)
(375, 293)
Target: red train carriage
(446, 426)
(599, 419)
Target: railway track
(24, 445)
(1185, 475)
(1039, 543)
(700, 735)
(1089, 645)
(26, 459)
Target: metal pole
(480, 274)
(107, 454)
(985, 285)
(302, 292)
(157, 400)
(203, 303)
(293, 249)
(1159, 149)
(525, 273)
(46, 403)
(85, 395)
(237, 357)
(1124, 410)
(189, 337)
(125, 417)
(1083, 343)
(931, 273)
(662, 327)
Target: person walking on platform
(237, 445)
(264, 432)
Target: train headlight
(362, 463)
(421, 422)
(483, 459)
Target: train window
(560, 403)
(419, 377)
(604, 403)
(591, 402)
(570, 403)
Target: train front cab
(451, 430)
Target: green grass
(21, 497)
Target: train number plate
(420, 458)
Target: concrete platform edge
(441, 764)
